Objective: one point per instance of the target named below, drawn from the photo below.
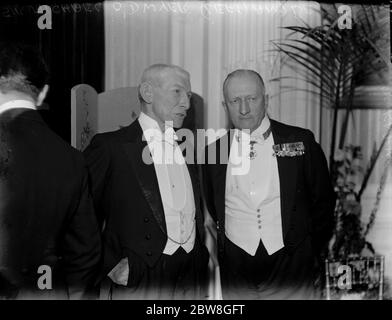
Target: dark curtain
(73, 49)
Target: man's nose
(244, 107)
(185, 101)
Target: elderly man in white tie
(274, 219)
(150, 205)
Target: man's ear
(145, 91)
(230, 123)
(266, 102)
(42, 95)
(224, 105)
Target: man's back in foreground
(48, 232)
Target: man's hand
(119, 274)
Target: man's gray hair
(155, 74)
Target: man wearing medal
(274, 219)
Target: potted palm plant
(347, 69)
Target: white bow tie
(169, 136)
(254, 138)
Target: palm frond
(309, 62)
(336, 61)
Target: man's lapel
(287, 176)
(192, 169)
(193, 174)
(220, 173)
(145, 173)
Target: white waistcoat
(252, 200)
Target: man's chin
(246, 122)
(177, 124)
(244, 127)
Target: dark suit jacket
(307, 197)
(127, 199)
(46, 213)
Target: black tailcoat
(128, 202)
(46, 212)
(306, 194)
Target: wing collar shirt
(175, 185)
(16, 104)
(252, 200)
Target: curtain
(209, 39)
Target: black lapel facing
(145, 173)
(222, 150)
(287, 168)
(193, 174)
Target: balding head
(157, 73)
(243, 73)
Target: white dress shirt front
(175, 185)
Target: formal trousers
(289, 273)
(180, 276)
